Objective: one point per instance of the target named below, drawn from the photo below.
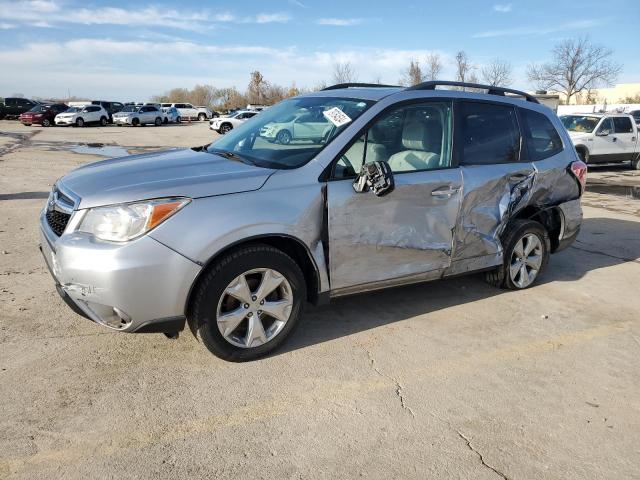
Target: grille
(57, 221)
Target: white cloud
(502, 7)
(6, 26)
(37, 12)
(524, 31)
(339, 22)
(136, 70)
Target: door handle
(445, 192)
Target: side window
(622, 125)
(543, 140)
(606, 126)
(411, 138)
(490, 134)
(188, 105)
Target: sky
(132, 50)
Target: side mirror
(376, 176)
(603, 133)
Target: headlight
(126, 221)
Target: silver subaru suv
(375, 186)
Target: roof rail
(358, 85)
(491, 90)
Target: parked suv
(142, 115)
(229, 122)
(43, 114)
(14, 106)
(409, 185)
(110, 107)
(187, 111)
(81, 116)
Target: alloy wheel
(526, 260)
(254, 308)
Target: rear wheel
(526, 254)
(178, 119)
(225, 127)
(202, 117)
(584, 155)
(248, 303)
(103, 121)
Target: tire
(103, 121)
(211, 299)
(519, 234)
(46, 122)
(158, 122)
(80, 122)
(27, 124)
(635, 163)
(584, 155)
(225, 127)
(283, 137)
(178, 119)
(135, 122)
(202, 117)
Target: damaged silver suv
(377, 186)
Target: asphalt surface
(452, 379)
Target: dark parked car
(636, 116)
(44, 114)
(110, 107)
(14, 106)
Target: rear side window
(543, 140)
(622, 125)
(490, 134)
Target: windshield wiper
(230, 155)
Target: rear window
(622, 125)
(543, 140)
(490, 134)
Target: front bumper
(139, 286)
(122, 120)
(65, 121)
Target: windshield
(579, 123)
(290, 133)
(73, 109)
(130, 108)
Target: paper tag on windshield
(336, 116)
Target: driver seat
(416, 156)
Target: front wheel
(80, 122)
(46, 122)
(248, 303)
(635, 163)
(178, 119)
(283, 137)
(225, 128)
(526, 254)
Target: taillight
(579, 170)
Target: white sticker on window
(336, 116)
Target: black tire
(178, 119)
(500, 277)
(283, 137)
(80, 122)
(225, 127)
(103, 121)
(135, 122)
(202, 117)
(584, 155)
(158, 121)
(210, 289)
(46, 122)
(635, 163)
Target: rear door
(405, 235)
(494, 169)
(624, 138)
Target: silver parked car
(408, 185)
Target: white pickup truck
(604, 137)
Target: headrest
(414, 136)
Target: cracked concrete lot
(451, 379)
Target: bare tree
(412, 75)
(464, 67)
(434, 66)
(344, 73)
(257, 89)
(576, 65)
(497, 73)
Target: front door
(406, 234)
(604, 148)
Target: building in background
(618, 94)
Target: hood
(579, 135)
(174, 173)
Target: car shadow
(602, 243)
